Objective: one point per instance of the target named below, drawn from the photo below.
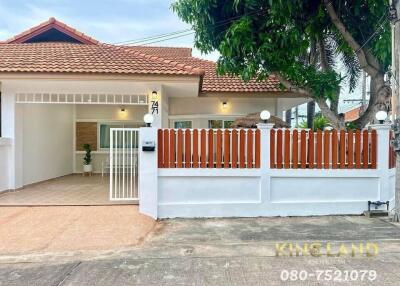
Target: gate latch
(149, 146)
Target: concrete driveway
(222, 252)
(25, 230)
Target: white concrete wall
(47, 151)
(198, 192)
(5, 154)
(132, 113)
(251, 193)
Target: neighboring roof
(78, 58)
(50, 24)
(352, 114)
(251, 120)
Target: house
(61, 88)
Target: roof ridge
(183, 66)
(52, 23)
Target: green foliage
(319, 122)
(88, 156)
(256, 38)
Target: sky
(105, 20)
(109, 21)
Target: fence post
(148, 173)
(265, 129)
(386, 188)
(382, 131)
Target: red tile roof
(211, 81)
(217, 83)
(166, 52)
(52, 23)
(78, 58)
(93, 57)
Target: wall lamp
(148, 119)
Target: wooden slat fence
(209, 148)
(306, 149)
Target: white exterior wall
(5, 154)
(47, 151)
(201, 109)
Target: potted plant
(87, 160)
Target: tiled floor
(72, 190)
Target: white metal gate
(124, 163)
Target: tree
(299, 42)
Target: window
(215, 124)
(183, 124)
(228, 123)
(104, 134)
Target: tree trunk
(310, 114)
(380, 99)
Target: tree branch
(367, 61)
(292, 87)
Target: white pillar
(265, 129)
(382, 131)
(148, 173)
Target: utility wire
(153, 37)
(181, 33)
(375, 33)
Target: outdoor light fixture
(265, 115)
(148, 119)
(224, 105)
(381, 116)
(123, 109)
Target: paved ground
(49, 229)
(72, 190)
(226, 252)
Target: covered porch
(70, 190)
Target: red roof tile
(166, 52)
(78, 58)
(216, 83)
